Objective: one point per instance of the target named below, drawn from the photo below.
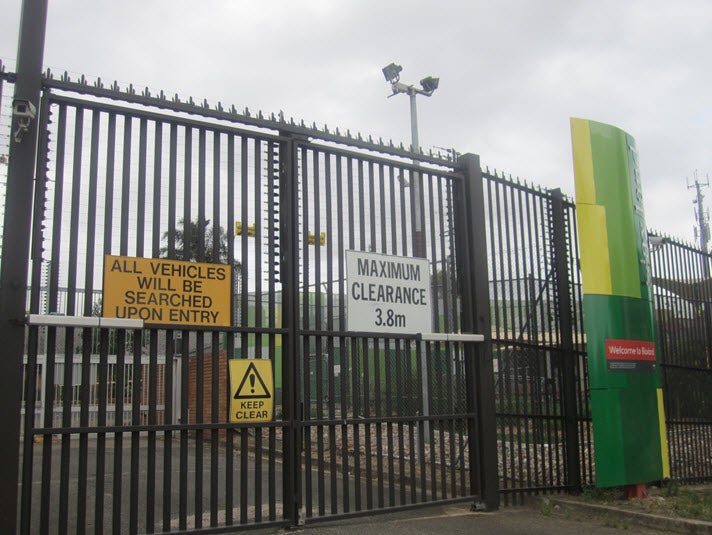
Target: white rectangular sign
(389, 294)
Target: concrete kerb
(648, 520)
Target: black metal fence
(128, 431)
(544, 435)
(683, 301)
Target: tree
(187, 243)
(186, 246)
(187, 249)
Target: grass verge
(671, 500)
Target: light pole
(428, 86)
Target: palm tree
(187, 249)
(187, 242)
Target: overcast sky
(511, 72)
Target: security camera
(657, 241)
(24, 109)
(24, 112)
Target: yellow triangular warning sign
(252, 386)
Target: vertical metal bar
(422, 425)
(102, 392)
(355, 353)
(560, 261)
(141, 187)
(393, 366)
(185, 335)
(121, 337)
(374, 396)
(273, 253)
(403, 210)
(523, 324)
(170, 334)
(399, 410)
(229, 433)
(136, 377)
(305, 357)
(505, 280)
(377, 374)
(32, 368)
(201, 256)
(433, 361)
(583, 387)
(244, 213)
(184, 421)
(136, 365)
(677, 267)
(550, 338)
(346, 369)
(16, 244)
(215, 364)
(102, 375)
(125, 187)
(540, 283)
(259, 209)
(318, 325)
(476, 318)
(168, 419)
(510, 230)
(495, 227)
(445, 220)
(367, 354)
(330, 348)
(244, 317)
(157, 188)
(87, 334)
(411, 424)
(153, 340)
(383, 377)
(289, 240)
(259, 223)
(67, 389)
(582, 399)
(119, 371)
(367, 396)
(390, 391)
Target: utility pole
(16, 249)
(701, 213)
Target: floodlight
(430, 84)
(392, 72)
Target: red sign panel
(630, 355)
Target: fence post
(566, 342)
(289, 275)
(15, 250)
(473, 275)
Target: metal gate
(127, 430)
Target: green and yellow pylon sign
(626, 397)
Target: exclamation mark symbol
(252, 382)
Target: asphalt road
(458, 519)
(64, 504)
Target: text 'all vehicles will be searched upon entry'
(162, 291)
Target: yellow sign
(163, 291)
(251, 388)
